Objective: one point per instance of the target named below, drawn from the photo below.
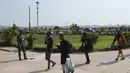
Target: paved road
(100, 63)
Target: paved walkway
(100, 63)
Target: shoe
(20, 59)
(25, 58)
(48, 68)
(72, 72)
(116, 59)
(88, 62)
(53, 64)
(122, 58)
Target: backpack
(70, 49)
(122, 40)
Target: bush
(8, 34)
(93, 37)
(30, 38)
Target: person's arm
(17, 40)
(58, 46)
(50, 43)
(114, 39)
(82, 43)
(45, 40)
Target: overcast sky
(58, 12)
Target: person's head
(48, 34)
(61, 36)
(20, 32)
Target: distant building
(90, 29)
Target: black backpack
(70, 49)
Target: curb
(5, 50)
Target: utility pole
(66, 28)
(37, 14)
(66, 25)
(29, 20)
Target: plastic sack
(69, 66)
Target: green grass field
(103, 41)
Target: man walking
(64, 49)
(120, 43)
(87, 46)
(49, 43)
(21, 45)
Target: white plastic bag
(69, 65)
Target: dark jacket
(49, 43)
(117, 38)
(20, 40)
(64, 47)
(87, 43)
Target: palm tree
(75, 28)
(56, 28)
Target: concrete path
(8, 49)
(102, 62)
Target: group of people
(64, 47)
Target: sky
(60, 12)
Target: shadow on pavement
(9, 61)
(107, 63)
(127, 55)
(79, 65)
(111, 62)
(40, 71)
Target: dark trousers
(86, 50)
(87, 57)
(19, 52)
(48, 58)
